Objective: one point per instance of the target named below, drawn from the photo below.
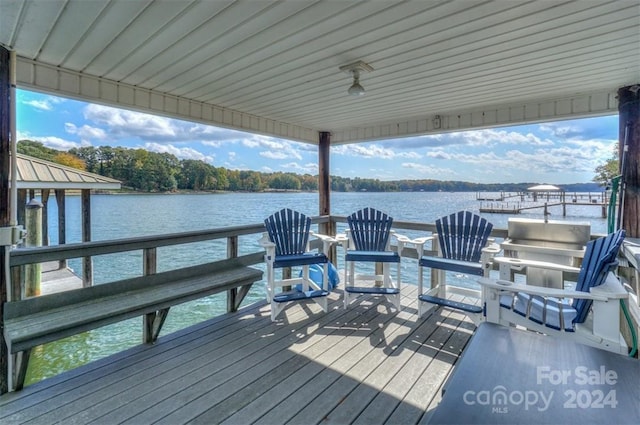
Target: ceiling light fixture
(354, 69)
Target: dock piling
(33, 272)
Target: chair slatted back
(370, 229)
(600, 258)
(289, 230)
(462, 236)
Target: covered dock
(286, 69)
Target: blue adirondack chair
(562, 311)
(368, 241)
(463, 247)
(287, 245)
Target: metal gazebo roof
(544, 188)
(34, 173)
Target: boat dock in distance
(515, 203)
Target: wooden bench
(39, 320)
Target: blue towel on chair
(315, 274)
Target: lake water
(125, 216)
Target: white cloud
(371, 151)
(273, 155)
(57, 143)
(308, 168)
(491, 137)
(180, 153)
(273, 148)
(86, 133)
(409, 155)
(44, 104)
(122, 124)
(430, 171)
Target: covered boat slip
(365, 364)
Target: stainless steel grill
(559, 242)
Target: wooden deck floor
(365, 364)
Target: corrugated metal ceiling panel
(279, 60)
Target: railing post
(87, 262)
(232, 252)
(62, 231)
(44, 195)
(333, 250)
(149, 267)
(437, 276)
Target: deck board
(367, 364)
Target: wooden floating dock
(366, 364)
(56, 279)
(500, 204)
(516, 208)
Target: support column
(629, 110)
(324, 185)
(324, 188)
(5, 148)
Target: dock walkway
(366, 364)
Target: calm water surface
(125, 216)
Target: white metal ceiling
(273, 66)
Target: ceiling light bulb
(356, 89)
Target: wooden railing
(147, 244)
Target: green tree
(611, 168)
(70, 160)
(36, 150)
(89, 155)
(284, 181)
(197, 175)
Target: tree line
(145, 171)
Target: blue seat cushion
(373, 256)
(506, 300)
(375, 290)
(300, 259)
(470, 308)
(285, 297)
(452, 265)
(549, 313)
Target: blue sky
(558, 152)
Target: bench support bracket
(235, 296)
(153, 325)
(21, 362)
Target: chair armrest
(417, 243)
(507, 286)
(521, 264)
(403, 241)
(422, 240)
(492, 249)
(322, 237)
(342, 239)
(265, 242)
(327, 241)
(611, 288)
